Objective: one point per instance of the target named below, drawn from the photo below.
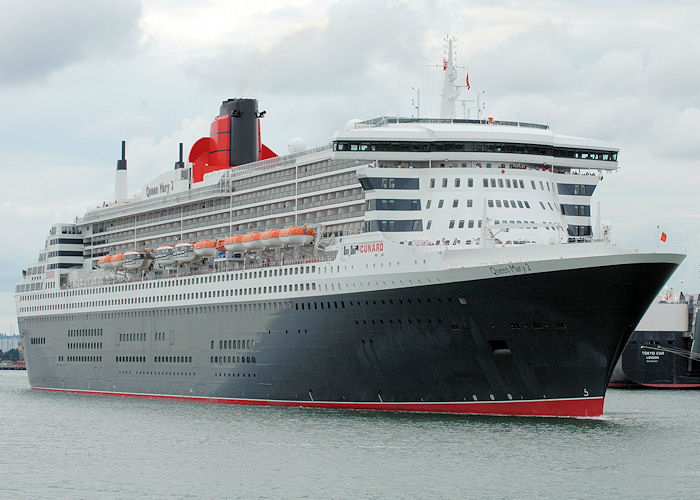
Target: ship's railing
(272, 163)
(218, 266)
(330, 166)
(384, 120)
(324, 183)
(352, 212)
(330, 201)
(301, 173)
(328, 185)
(101, 213)
(243, 185)
(228, 264)
(174, 217)
(475, 242)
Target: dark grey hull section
(526, 337)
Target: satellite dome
(296, 145)
(350, 125)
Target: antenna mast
(416, 101)
(449, 90)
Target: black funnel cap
(121, 164)
(243, 114)
(180, 163)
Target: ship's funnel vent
(243, 115)
(120, 176)
(121, 164)
(180, 163)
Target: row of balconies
(222, 221)
(128, 232)
(224, 202)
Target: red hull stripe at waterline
(574, 407)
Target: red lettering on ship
(371, 247)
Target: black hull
(527, 338)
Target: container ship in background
(437, 265)
(664, 350)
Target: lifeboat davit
(271, 238)
(205, 248)
(183, 252)
(164, 256)
(234, 243)
(296, 235)
(137, 259)
(251, 241)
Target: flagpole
(658, 237)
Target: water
(61, 445)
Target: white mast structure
(449, 90)
(120, 177)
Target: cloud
(151, 155)
(80, 77)
(677, 134)
(358, 47)
(43, 36)
(619, 77)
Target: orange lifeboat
(220, 246)
(205, 248)
(117, 260)
(234, 243)
(271, 238)
(296, 235)
(104, 262)
(251, 241)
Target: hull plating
(541, 344)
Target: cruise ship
(412, 264)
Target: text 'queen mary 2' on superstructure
(411, 265)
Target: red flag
(468, 86)
(664, 236)
(444, 64)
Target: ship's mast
(120, 178)
(449, 90)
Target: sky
(84, 75)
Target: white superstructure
(432, 184)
